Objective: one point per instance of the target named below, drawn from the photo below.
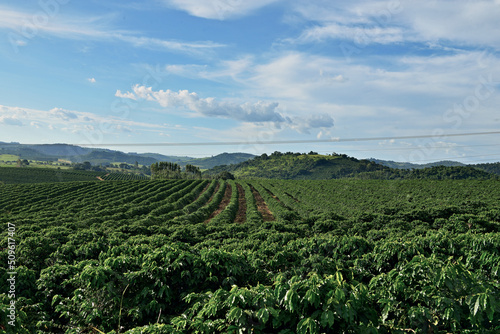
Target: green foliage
(123, 177)
(312, 166)
(341, 256)
(224, 175)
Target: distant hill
(161, 157)
(409, 165)
(96, 156)
(220, 159)
(73, 153)
(314, 166)
(492, 168)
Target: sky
(119, 74)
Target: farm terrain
(252, 256)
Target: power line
(417, 147)
(310, 141)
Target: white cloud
(91, 80)
(128, 95)
(25, 26)
(401, 94)
(209, 107)
(10, 121)
(359, 34)
(63, 114)
(218, 9)
(464, 22)
(258, 112)
(471, 23)
(72, 121)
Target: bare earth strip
(262, 206)
(241, 215)
(101, 179)
(225, 201)
(215, 192)
(201, 193)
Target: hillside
(493, 168)
(218, 160)
(313, 166)
(299, 166)
(409, 165)
(96, 156)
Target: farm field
(259, 256)
(15, 175)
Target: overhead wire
(298, 141)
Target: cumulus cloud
(91, 80)
(250, 113)
(210, 107)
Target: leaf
(263, 315)
(340, 295)
(307, 325)
(385, 313)
(448, 314)
(235, 314)
(476, 306)
(327, 319)
(312, 297)
(291, 298)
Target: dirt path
(215, 192)
(225, 201)
(101, 179)
(241, 215)
(201, 193)
(262, 206)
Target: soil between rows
(262, 206)
(222, 205)
(241, 215)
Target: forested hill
(493, 168)
(299, 166)
(220, 159)
(314, 166)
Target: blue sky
(178, 71)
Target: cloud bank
(258, 112)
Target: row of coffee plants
(340, 256)
(10, 175)
(123, 177)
